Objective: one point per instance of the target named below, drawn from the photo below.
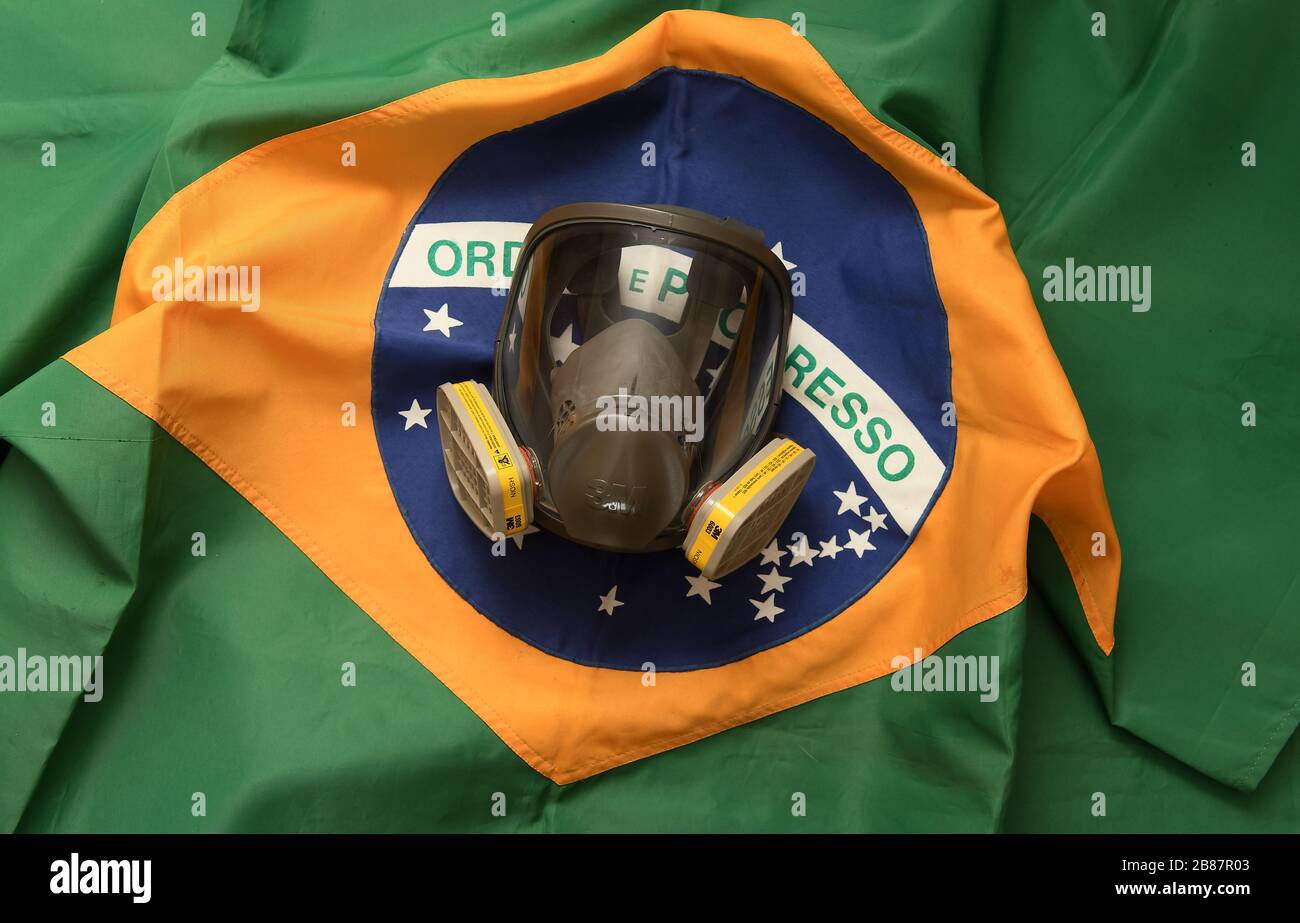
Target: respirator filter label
(508, 471)
(730, 501)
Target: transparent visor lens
(637, 365)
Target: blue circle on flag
(867, 373)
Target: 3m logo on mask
(613, 498)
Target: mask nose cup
(734, 521)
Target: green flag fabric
(1153, 137)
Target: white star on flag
(776, 248)
(511, 338)
(441, 321)
(801, 553)
(850, 500)
(877, 520)
(563, 345)
(830, 549)
(609, 602)
(773, 582)
(773, 553)
(701, 586)
(415, 416)
(767, 609)
(860, 542)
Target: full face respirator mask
(637, 374)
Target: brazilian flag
(1043, 577)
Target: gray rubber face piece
(638, 361)
(739, 518)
